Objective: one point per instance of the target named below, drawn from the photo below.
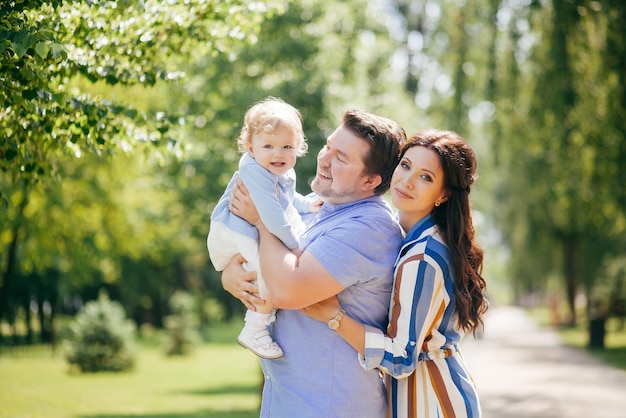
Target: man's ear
(372, 182)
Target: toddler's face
(276, 152)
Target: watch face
(334, 323)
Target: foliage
(181, 325)
(608, 296)
(102, 338)
(566, 212)
(121, 118)
(47, 44)
(538, 89)
(304, 69)
(125, 188)
(55, 57)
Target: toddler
(270, 140)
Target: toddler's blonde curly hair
(268, 116)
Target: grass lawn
(220, 379)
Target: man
(348, 250)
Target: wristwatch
(334, 323)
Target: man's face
(340, 174)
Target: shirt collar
(329, 208)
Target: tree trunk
(597, 331)
(9, 273)
(570, 256)
(8, 276)
(28, 320)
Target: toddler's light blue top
(272, 195)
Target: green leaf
(131, 113)
(58, 51)
(29, 94)
(42, 49)
(9, 154)
(19, 49)
(59, 98)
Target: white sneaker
(260, 343)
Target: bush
(181, 325)
(101, 338)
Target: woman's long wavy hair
(453, 217)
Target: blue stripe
(463, 385)
(394, 397)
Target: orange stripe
(440, 390)
(412, 400)
(392, 328)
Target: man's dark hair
(384, 137)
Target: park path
(522, 371)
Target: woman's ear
(442, 199)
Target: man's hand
(241, 205)
(241, 283)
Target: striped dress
(425, 373)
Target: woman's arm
(414, 314)
(349, 329)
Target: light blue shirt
(320, 374)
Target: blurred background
(118, 121)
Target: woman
(438, 287)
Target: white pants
(224, 243)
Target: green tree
(571, 158)
(328, 62)
(99, 208)
(102, 338)
(48, 51)
(538, 90)
(181, 325)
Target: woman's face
(417, 184)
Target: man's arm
(293, 282)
